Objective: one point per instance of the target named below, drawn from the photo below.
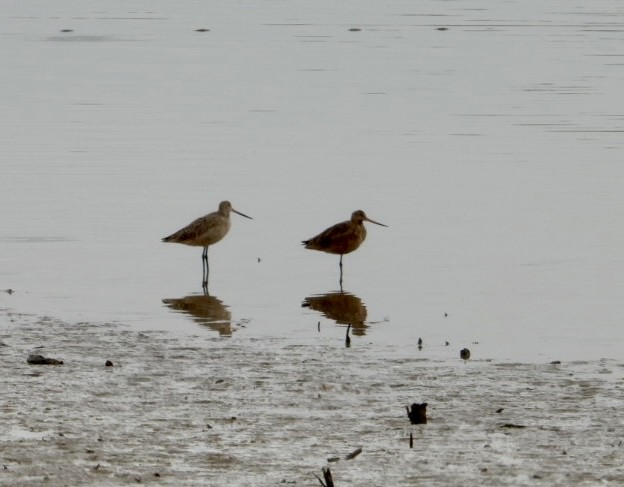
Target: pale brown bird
(342, 238)
(205, 231)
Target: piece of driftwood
(353, 454)
(418, 414)
(37, 359)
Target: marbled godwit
(205, 231)
(342, 238)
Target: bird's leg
(205, 268)
(340, 264)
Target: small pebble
(202, 30)
(464, 353)
(355, 29)
(109, 363)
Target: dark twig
(353, 454)
(329, 482)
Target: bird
(205, 231)
(342, 238)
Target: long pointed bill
(241, 214)
(376, 223)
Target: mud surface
(200, 410)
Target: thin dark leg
(205, 267)
(340, 264)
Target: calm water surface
(488, 137)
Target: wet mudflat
(202, 410)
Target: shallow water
(492, 150)
(487, 137)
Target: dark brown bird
(342, 238)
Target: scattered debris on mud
(182, 410)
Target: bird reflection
(342, 307)
(206, 310)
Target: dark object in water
(353, 454)
(67, 30)
(420, 342)
(411, 441)
(37, 359)
(109, 363)
(555, 362)
(442, 28)
(355, 29)
(464, 353)
(208, 30)
(500, 410)
(329, 481)
(418, 414)
(513, 426)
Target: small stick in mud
(348, 338)
(329, 482)
(418, 414)
(353, 454)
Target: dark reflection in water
(342, 307)
(204, 309)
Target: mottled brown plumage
(205, 231)
(342, 238)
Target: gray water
(487, 136)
